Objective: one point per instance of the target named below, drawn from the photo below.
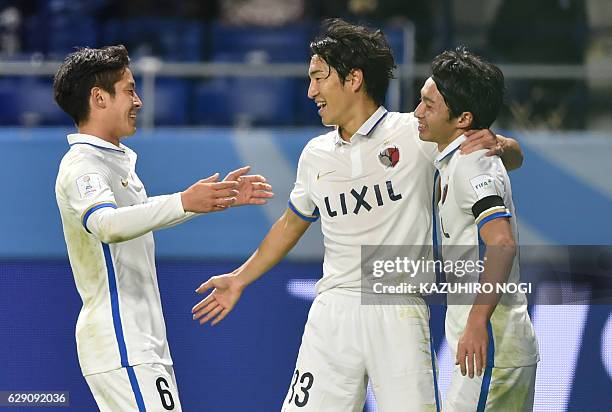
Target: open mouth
(321, 106)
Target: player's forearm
(181, 219)
(512, 155)
(281, 238)
(499, 258)
(125, 223)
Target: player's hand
(472, 348)
(226, 292)
(482, 139)
(252, 189)
(210, 195)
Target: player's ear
(355, 78)
(97, 98)
(465, 120)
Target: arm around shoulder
(511, 153)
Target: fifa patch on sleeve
(89, 185)
(484, 186)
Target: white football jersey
(372, 190)
(107, 220)
(474, 189)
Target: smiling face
(435, 121)
(333, 98)
(123, 107)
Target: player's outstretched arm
(227, 289)
(473, 344)
(252, 189)
(505, 147)
(112, 224)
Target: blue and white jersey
(372, 190)
(107, 221)
(474, 189)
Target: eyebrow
(316, 71)
(427, 99)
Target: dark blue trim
(114, 296)
(491, 349)
(99, 147)
(496, 215)
(303, 217)
(136, 389)
(484, 390)
(449, 153)
(93, 209)
(434, 229)
(486, 378)
(433, 368)
(376, 124)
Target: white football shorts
(345, 343)
(498, 389)
(150, 387)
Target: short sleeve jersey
(475, 189)
(372, 190)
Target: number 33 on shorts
(299, 392)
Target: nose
(418, 112)
(313, 91)
(137, 101)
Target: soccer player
(494, 334)
(369, 181)
(108, 218)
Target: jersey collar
(366, 128)
(449, 150)
(87, 139)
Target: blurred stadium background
(224, 84)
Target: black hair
(468, 83)
(345, 47)
(84, 69)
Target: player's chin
(426, 137)
(130, 131)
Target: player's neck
(360, 114)
(454, 136)
(91, 128)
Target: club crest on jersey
(389, 156)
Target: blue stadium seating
(169, 39)
(252, 100)
(245, 101)
(59, 27)
(395, 36)
(282, 44)
(219, 101)
(171, 102)
(29, 102)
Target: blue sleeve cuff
(491, 217)
(312, 218)
(92, 209)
